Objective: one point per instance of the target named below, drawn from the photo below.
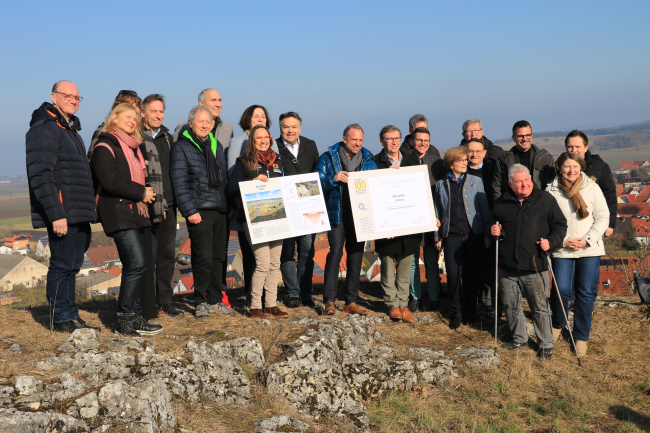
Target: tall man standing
(157, 150)
(300, 156)
(61, 197)
(538, 161)
(526, 214)
(333, 168)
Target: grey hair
(470, 122)
(203, 95)
(351, 126)
(415, 119)
(516, 168)
(194, 111)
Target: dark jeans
(463, 278)
(163, 243)
(130, 247)
(297, 275)
(339, 235)
(248, 264)
(578, 273)
(208, 255)
(66, 260)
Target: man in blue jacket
(61, 197)
(333, 168)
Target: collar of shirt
(477, 168)
(154, 133)
(392, 161)
(293, 149)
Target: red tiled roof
(185, 247)
(620, 189)
(114, 271)
(632, 209)
(642, 198)
(188, 281)
(100, 255)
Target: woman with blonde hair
(577, 262)
(119, 172)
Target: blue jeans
(297, 275)
(130, 247)
(66, 260)
(579, 273)
(432, 271)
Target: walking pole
(496, 291)
(566, 318)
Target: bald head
(65, 97)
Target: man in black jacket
(416, 121)
(538, 161)
(157, 150)
(526, 215)
(61, 197)
(300, 156)
(596, 169)
(473, 128)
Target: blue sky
(557, 64)
(276, 193)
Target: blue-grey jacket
(328, 165)
(476, 205)
(189, 174)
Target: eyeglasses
(394, 140)
(475, 152)
(127, 93)
(521, 137)
(420, 141)
(69, 97)
(469, 131)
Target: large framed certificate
(391, 202)
(284, 207)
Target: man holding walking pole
(526, 214)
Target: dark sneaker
(125, 322)
(515, 346)
(294, 302)
(413, 305)
(544, 354)
(435, 306)
(67, 327)
(201, 311)
(454, 323)
(171, 310)
(80, 324)
(142, 327)
(221, 309)
(308, 303)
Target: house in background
(5, 250)
(98, 283)
(41, 244)
(20, 242)
(185, 251)
(185, 285)
(100, 257)
(16, 269)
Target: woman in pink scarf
(119, 172)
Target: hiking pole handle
(497, 237)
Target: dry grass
(610, 393)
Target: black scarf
(214, 173)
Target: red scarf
(266, 158)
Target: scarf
(450, 175)
(266, 158)
(137, 167)
(154, 174)
(348, 164)
(572, 190)
(210, 155)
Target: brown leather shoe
(257, 313)
(330, 309)
(395, 313)
(407, 316)
(353, 308)
(275, 312)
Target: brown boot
(257, 313)
(581, 348)
(353, 308)
(330, 309)
(556, 334)
(407, 316)
(275, 312)
(395, 313)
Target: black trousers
(339, 235)
(463, 273)
(208, 255)
(248, 264)
(163, 243)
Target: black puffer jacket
(60, 180)
(189, 174)
(523, 224)
(599, 171)
(119, 195)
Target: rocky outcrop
(282, 423)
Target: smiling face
(127, 121)
(570, 170)
(153, 115)
(202, 124)
(290, 129)
(476, 153)
(421, 143)
(67, 106)
(523, 137)
(577, 145)
(473, 131)
(261, 140)
(521, 184)
(353, 142)
(258, 118)
(213, 102)
(391, 142)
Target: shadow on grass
(626, 414)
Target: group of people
(136, 176)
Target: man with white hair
(531, 223)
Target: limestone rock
(81, 340)
(28, 385)
(7, 393)
(433, 366)
(281, 423)
(15, 421)
(479, 356)
(124, 345)
(88, 405)
(243, 349)
(15, 348)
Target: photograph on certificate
(307, 189)
(265, 206)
